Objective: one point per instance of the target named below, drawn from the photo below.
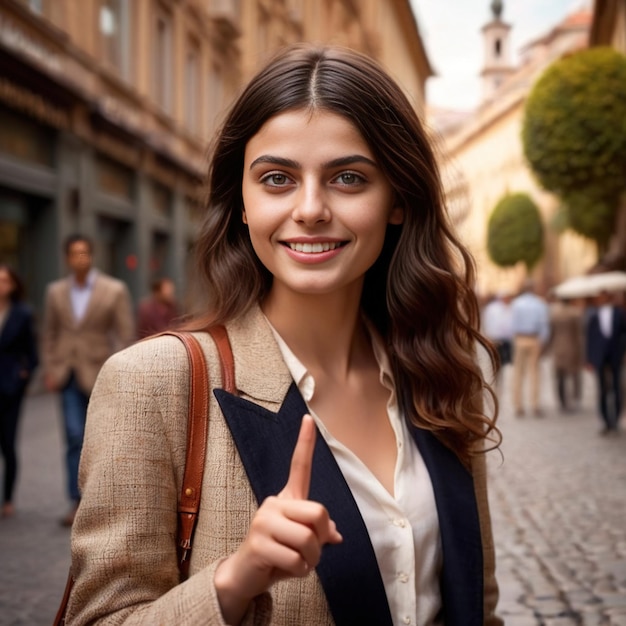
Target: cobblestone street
(558, 503)
(34, 548)
(559, 510)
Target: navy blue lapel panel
(265, 441)
(462, 575)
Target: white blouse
(404, 530)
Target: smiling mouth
(315, 248)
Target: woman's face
(315, 202)
(7, 286)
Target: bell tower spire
(496, 9)
(496, 38)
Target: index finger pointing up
(299, 479)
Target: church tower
(496, 39)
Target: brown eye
(275, 179)
(278, 179)
(349, 178)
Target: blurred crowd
(88, 315)
(577, 333)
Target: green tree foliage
(574, 136)
(515, 232)
(592, 214)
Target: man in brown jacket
(88, 316)
(567, 345)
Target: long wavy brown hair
(420, 291)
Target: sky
(450, 30)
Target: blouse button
(403, 577)
(407, 619)
(400, 523)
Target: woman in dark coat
(18, 359)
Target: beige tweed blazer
(83, 346)
(123, 539)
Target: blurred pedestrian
(605, 346)
(157, 311)
(88, 316)
(18, 359)
(567, 347)
(329, 259)
(530, 325)
(496, 325)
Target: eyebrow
(339, 162)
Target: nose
(311, 206)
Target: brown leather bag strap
(197, 434)
(227, 362)
(59, 619)
(197, 431)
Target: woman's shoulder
(156, 357)
(165, 354)
(250, 339)
(158, 346)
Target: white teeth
(314, 247)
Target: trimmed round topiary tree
(592, 214)
(574, 137)
(515, 232)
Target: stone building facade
(609, 24)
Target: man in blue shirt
(530, 324)
(88, 316)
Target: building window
(114, 179)
(161, 201)
(296, 10)
(263, 31)
(215, 96)
(162, 60)
(192, 87)
(24, 139)
(160, 255)
(114, 27)
(498, 48)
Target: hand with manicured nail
(285, 538)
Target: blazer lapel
(65, 301)
(462, 575)
(95, 298)
(265, 440)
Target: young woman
(18, 359)
(349, 306)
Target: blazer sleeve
(124, 320)
(491, 591)
(591, 339)
(484, 402)
(50, 330)
(124, 537)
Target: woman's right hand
(285, 539)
